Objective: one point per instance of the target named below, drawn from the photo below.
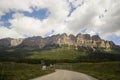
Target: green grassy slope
(57, 54)
(21, 71)
(61, 54)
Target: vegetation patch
(21, 71)
(101, 71)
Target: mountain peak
(96, 37)
(60, 39)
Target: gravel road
(65, 75)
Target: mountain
(38, 42)
(10, 42)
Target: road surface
(65, 75)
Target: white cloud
(110, 21)
(27, 25)
(5, 32)
(99, 16)
(81, 18)
(16, 5)
(34, 27)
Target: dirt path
(65, 75)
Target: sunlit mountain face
(28, 18)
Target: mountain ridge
(60, 39)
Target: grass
(56, 54)
(101, 71)
(59, 54)
(21, 71)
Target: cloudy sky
(25, 18)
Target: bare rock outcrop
(16, 42)
(96, 38)
(83, 39)
(33, 42)
(10, 42)
(6, 42)
(59, 39)
(64, 39)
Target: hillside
(60, 54)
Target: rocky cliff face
(16, 42)
(9, 42)
(63, 39)
(33, 42)
(5, 42)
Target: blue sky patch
(39, 14)
(115, 39)
(72, 8)
(5, 19)
(83, 30)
